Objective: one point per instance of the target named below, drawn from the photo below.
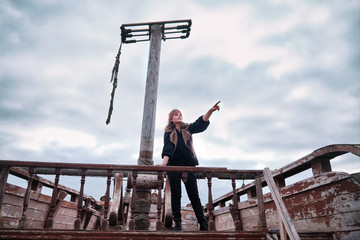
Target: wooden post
(320, 166)
(80, 200)
(210, 203)
(132, 206)
(237, 221)
(159, 202)
(3, 182)
(50, 219)
(261, 207)
(104, 224)
(26, 198)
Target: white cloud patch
(298, 93)
(37, 139)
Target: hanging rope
(114, 81)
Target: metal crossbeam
(140, 32)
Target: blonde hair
(170, 125)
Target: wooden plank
(115, 208)
(22, 221)
(140, 235)
(119, 168)
(285, 217)
(104, 224)
(3, 180)
(280, 182)
(260, 199)
(167, 218)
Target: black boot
(178, 226)
(203, 225)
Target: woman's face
(177, 117)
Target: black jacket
(178, 145)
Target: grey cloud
(56, 60)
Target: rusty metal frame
(140, 32)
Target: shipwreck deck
(325, 205)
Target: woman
(178, 151)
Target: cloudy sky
(287, 73)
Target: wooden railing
(318, 161)
(19, 168)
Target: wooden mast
(155, 32)
(149, 113)
(142, 221)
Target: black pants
(193, 194)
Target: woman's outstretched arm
(211, 110)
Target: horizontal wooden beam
(73, 169)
